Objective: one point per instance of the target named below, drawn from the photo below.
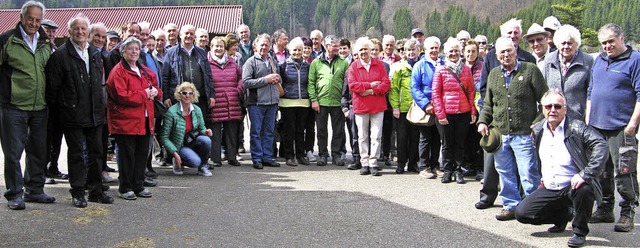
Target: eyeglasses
(187, 93)
(533, 41)
(482, 42)
(400, 49)
(555, 106)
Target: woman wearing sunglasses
(183, 132)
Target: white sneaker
(204, 171)
(223, 156)
(239, 158)
(311, 157)
(176, 170)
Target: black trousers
(428, 147)
(132, 158)
(54, 140)
(387, 133)
(545, 206)
(489, 191)
(472, 150)
(84, 170)
(408, 137)
(453, 137)
(337, 126)
(294, 120)
(226, 131)
(310, 130)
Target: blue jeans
(263, 123)
(516, 157)
(24, 131)
(198, 154)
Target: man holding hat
(551, 24)
(537, 38)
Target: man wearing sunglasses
(572, 156)
(537, 38)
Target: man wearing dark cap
(50, 29)
(418, 34)
(112, 40)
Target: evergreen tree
(402, 22)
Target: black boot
(446, 178)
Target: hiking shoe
(506, 215)
(602, 216)
(625, 224)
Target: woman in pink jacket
(227, 113)
(369, 82)
(453, 92)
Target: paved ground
(305, 206)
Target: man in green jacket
(24, 52)
(326, 77)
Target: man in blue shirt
(613, 108)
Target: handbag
(159, 109)
(417, 116)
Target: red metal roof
(218, 19)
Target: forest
(354, 18)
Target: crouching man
(572, 156)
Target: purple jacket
(227, 80)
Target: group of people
(556, 125)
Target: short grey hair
(481, 38)
(94, 26)
(330, 39)
(295, 43)
(554, 91)
(412, 42)
(502, 43)
(316, 31)
(610, 27)
(363, 42)
(242, 26)
(128, 41)
(278, 33)
(78, 17)
(513, 22)
(567, 32)
(388, 37)
(201, 31)
(159, 32)
(186, 27)
(463, 34)
(261, 37)
(432, 39)
(451, 43)
(29, 4)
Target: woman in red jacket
(369, 83)
(131, 87)
(453, 93)
(227, 113)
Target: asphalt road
(305, 206)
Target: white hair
(170, 25)
(296, 42)
(363, 42)
(567, 32)
(504, 43)
(144, 25)
(97, 25)
(128, 41)
(78, 17)
(505, 27)
(159, 32)
(316, 32)
(186, 27)
(463, 34)
(432, 39)
(481, 38)
(201, 31)
(451, 43)
(29, 4)
(388, 37)
(412, 42)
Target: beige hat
(551, 23)
(536, 29)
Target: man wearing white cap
(551, 24)
(537, 38)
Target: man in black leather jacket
(572, 156)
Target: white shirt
(556, 164)
(31, 43)
(83, 52)
(367, 66)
